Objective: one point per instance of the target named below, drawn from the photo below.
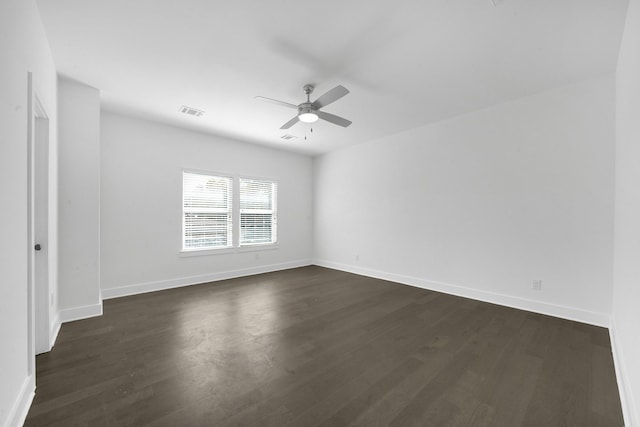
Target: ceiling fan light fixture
(308, 117)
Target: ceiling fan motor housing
(306, 107)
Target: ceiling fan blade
(331, 96)
(290, 123)
(275, 101)
(336, 120)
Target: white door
(41, 231)
(38, 207)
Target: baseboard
(564, 312)
(629, 411)
(54, 330)
(20, 408)
(79, 313)
(160, 285)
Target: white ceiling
(406, 62)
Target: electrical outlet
(536, 285)
(357, 257)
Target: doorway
(40, 300)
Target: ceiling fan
(309, 112)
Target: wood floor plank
(318, 347)
(432, 391)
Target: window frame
(236, 246)
(231, 227)
(273, 212)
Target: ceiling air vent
(191, 111)
(288, 137)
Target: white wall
(79, 204)
(141, 220)
(23, 48)
(626, 295)
(482, 204)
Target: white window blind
(207, 211)
(258, 215)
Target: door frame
(37, 227)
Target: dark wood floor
(313, 346)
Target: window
(207, 211)
(258, 218)
(211, 206)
